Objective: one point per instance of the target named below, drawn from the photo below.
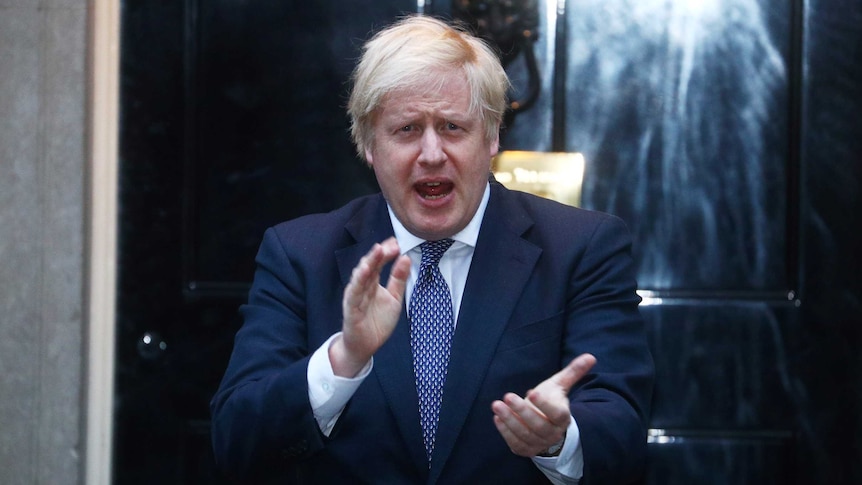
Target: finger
(398, 278)
(572, 373)
(553, 407)
(379, 255)
(390, 251)
(390, 248)
(513, 430)
(366, 274)
(509, 417)
(517, 446)
(551, 395)
(537, 425)
(356, 292)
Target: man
(508, 349)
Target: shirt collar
(467, 236)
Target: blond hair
(418, 50)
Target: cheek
(390, 172)
(483, 167)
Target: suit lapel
(502, 263)
(393, 363)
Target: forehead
(435, 85)
(448, 94)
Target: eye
(452, 126)
(406, 129)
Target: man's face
(431, 157)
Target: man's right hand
(370, 310)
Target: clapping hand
(530, 425)
(370, 310)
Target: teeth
(432, 184)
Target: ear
(495, 145)
(369, 159)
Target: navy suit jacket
(547, 283)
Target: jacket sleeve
(261, 416)
(611, 404)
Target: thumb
(572, 373)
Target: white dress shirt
(329, 393)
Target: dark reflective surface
(725, 133)
(267, 124)
(719, 461)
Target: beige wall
(44, 209)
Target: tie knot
(432, 251)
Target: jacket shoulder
(328, 226)
(545, 213)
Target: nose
(431, 148)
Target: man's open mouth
(433, 190)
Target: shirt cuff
(568, 467)
(327, 392)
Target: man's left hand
(530, 425)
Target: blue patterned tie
(431, 328)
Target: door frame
(101, 243)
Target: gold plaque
(553, 175)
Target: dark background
(726, 133)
